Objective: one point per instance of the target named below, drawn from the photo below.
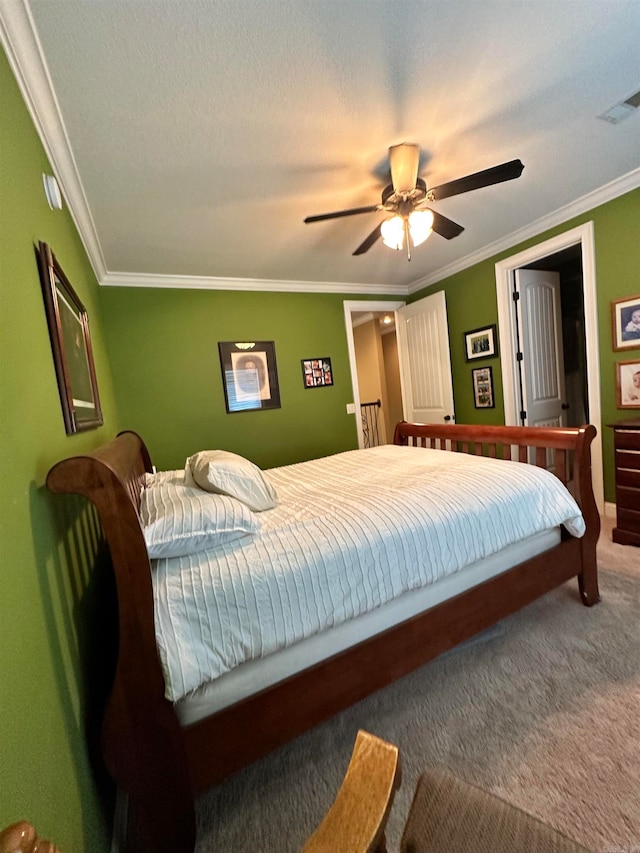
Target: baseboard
(609, 509)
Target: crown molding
(20, 40)
(587, 202)
(197, 282)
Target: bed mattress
(351, 533)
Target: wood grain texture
(356, 821)
(162, 766)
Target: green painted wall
(48, 544)
(472, 303)
(163, 363)
(164, 353)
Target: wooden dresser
(627, 461)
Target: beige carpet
(543, 709)
(617, 558)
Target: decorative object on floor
(480, 343)
(628, 384)
(71, 345)
(483, 388)
(541, 710)
(625, 323)
(249, 375)
(316, 372)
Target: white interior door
(540, 326)
(425, 361)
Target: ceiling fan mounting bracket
(391, 199)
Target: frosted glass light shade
(420, 225)
(392, 231)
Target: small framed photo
(628, 384)
(68, 324)
(625, 323)
(249, 375)
(317, 372)
(480, 343)
(483, 388)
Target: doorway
(365, 316)
(573, 247)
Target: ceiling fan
(405, 199)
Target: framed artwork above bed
(68, 324)
(249, 375)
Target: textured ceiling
(204, 132)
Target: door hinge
(519, 356)
(523, 416)
(516, 295)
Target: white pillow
(229, 474)
(179, 520)
(160, 478)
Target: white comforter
(351, 532)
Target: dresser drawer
(628, 477)
(627, 459)
(627, 498)
(627, 439)
(628, 519)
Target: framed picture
(483, 388)
(249, 375)
(625, 323)
(480, 343)
(71, 346)
(316, 372)
(628, 384)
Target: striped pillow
(180, 520)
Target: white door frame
(351, 307)
(583, 235)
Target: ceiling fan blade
(446, 228)
(495, 175)
(338, 213)
(404, 160)
(368, 242)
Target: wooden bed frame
(163, 767)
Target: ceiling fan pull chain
(406, 237)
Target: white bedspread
(351, 532)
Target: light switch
(351, 408)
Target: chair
(447, 813)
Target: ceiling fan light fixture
(420, 225)
(392, 231)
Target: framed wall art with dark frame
(625, 323)
(249, 375)
(480, 343)
(68, 324)
(628, 384)
(317, 372)
(482, 378)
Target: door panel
(540, 322)
(425, 362)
